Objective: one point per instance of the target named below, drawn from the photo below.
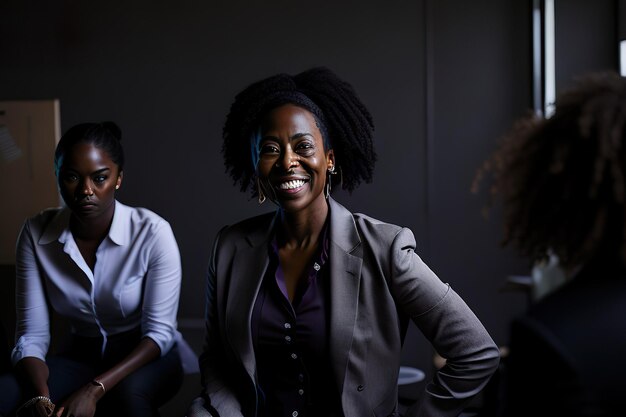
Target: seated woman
(562, 182)
(114, 271)
(308, 306)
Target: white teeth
(290, 185)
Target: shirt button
(301, 391)
(294, 356)
(316, 266)
(288, 339)
(300, 377)
(294, 414)
(360, 388)
(287, 326)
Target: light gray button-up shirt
(135, 281)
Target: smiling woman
(114, 272)
(307, 307)
(293, 162)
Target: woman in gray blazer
(307, 307)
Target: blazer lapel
(249, 265)
(345, 273)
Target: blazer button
(360, 388)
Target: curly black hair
(562, 179)
(344, 121)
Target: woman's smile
(291, 185)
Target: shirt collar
(59, 226)
(120, 226)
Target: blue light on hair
(255, 141)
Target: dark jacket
(567, 354)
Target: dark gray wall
(586, 38)
(168, 74)
(481, 77)
(443, 80)
(621, 19)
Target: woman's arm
(145, 352)
(451, 327)
(35, 371)
(83, 401)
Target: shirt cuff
(29, 347)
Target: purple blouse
(291, 341)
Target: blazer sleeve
(451, 327)
(220, 397)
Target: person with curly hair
(562, 184)
(308, 306)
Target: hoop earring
(259, 191)
(327, 188)
(329, 173)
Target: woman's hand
(81, 403)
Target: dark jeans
(140, 394)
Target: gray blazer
(377, 284)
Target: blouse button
(301, 391)
(294, 414)
(288, 339)
(287, 326)
(300, 377)
(360, 388)
(294, 356)
(316, 266)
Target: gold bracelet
(99, 384)
(32, 401)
